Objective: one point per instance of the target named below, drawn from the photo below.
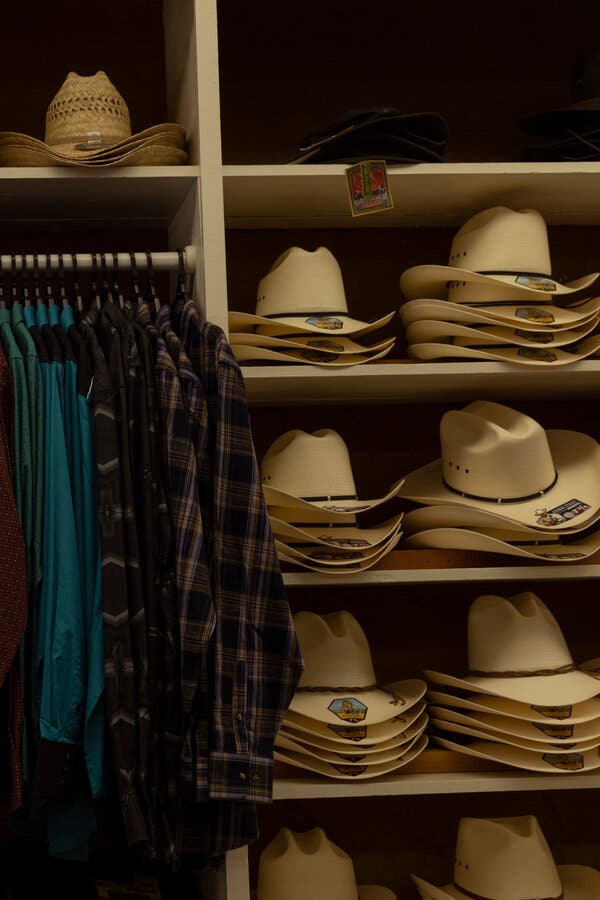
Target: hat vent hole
(466, 471)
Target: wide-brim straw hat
(498, 246)
(356, 755)
(338, 557)
(517, 650)
(342, 346)
(357, 735)
(349, 537)
(350, 772)
(430, 330)
(359, 707)
(454, 728)
(526, 316)
(497, 459)
(532, 732)
(578, 883)
(339, 745)
(521, 356)
(88, 123)
(249, 353)
(348, 569)
(560, 550)
(571, 714)
(429, 517)
(550, 763)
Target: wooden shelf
(440, 194)
(434, 783)
(145, 195)
(411, 382)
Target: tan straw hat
(509, 859)
(497, 459)
(370, 735)
(350, 771)
(517, 650)
(87, 123)
(308, 866)
(550, 763)
(353, 755)
(524, 314)
(425, 518)
(498, 245)
(535, 733)
(346, 747)
(563, 548)
(430, 330)
(520, 356)
(571, 714)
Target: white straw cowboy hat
(557, 548)
(517, 650)
(314, 470)
(525, 314)
(335, 535)
(338, 684)
(497, 459)
(430, 330)
(353, 755)
(496, 245)
(355, 734)
(346, 747)
(522, 356)
(303, 292)
(571, 714)
(332, 345)
(308, 866)
(310, 356)
(87, 123)
(548, 762)
(444, 516)
(509, 859)
(532, 732)
(455, 730)
(350, 771)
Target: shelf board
(434, 783)
(412, 382)
(145, 195)
(440, 194)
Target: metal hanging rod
(161, 261)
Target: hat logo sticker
(563, 513)
(327, 323)
(351, 770)
(554, 712)
(569, 762)
(536, 282)
(348, 708)
(349, 734)
(556, 731)
(533, 314)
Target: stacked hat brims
(497, 299)
(523, 701)
(341, 723)
(302, 316)
(312, 500)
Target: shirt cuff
(234, 776)
(56, 769)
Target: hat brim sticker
(349, 709)
(566, 762)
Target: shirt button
(240, 717)
(256, 779)
(242, 776)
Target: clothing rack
(162, 261)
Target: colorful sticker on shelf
(368, 188)
(567, 762)
(546, 356)
(559, 514)
(559, 732)
(536, 337)
(327, 323)
(348, 709)
(534, 314)
(349, 734)
(350, 770)
(554, 712)
(536, 282)
(141, 889)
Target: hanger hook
(25, 281)
(150, 292)
(76, 291)
(36, 280)
(13, 278)
(61, 281)
(134, 288)
(48, 279)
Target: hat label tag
(536, 337)
(368, 187)
(356, 543)
(350, 770)
(327, 323)
(560, 732)
(349, 709)
(554, 712)
(534, 314)
(568, 762)
(349, 734)
(324, 344)
(536, 282)
(537, 354)
(559, 514)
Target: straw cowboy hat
(344, 537)
(456, 729)
(428, 330)
(443, 516)
(524, 356)
(498, 245)
(355, 755)
(246, 353)
(87, 124)
(509, 859)
(332, 346)
(541, 716)
(500, 460)
(548, 762)
(338, 685)
(338, 557)
(349, 748)
(532, 732)
(350, 771)
(370, 735)
(308, 866)
(303, 292)
(563, 548)
(517, 650)
(314, 470)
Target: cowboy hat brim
(323, 569)
(348, 734)
(426, 518)
(275, 497)
(578, 883)
(482, 734)
(245, 353)
(432, 281)
(342, 537)
(427, 331)
(349, 756)
(557, 551)
(359, 707)
(349, 748)
(535, 356)
(550, 763)
(337, 346)
(533, 733)
(145, 155)
(577, 463)
(336, 556)
(555, 123)
(571, 714)
(345, 772)
(338, 324)
(526, 316)
(169, 134)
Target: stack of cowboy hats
(497, 300)
(341, 723)
(506, 859)
(376, 133)
(302, 316)
(87, 125)
(572, 133)
(523, 701)
(312, 503)
(504, 485)
(308, 866)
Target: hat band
(302, 315)
(491, 303)
(330, 497)
(356, 689)
(502, 499)
(508, 272)
(559, 670)
(483, 897)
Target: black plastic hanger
(117, 296)
(61, 282)
(2, 299)
(25, 294)
(14, 296)
(36, 280)
(150, 292)
(95, 299)
(134, 288)
(49, 298)
(180, 293)
(105, 292)
(75, 288)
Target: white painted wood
(439, 783)
(411, 382)
(293, 196)
(237, 878)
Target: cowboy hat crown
(335, 651)
(301, 281)
(309, 465)
(301, 866)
